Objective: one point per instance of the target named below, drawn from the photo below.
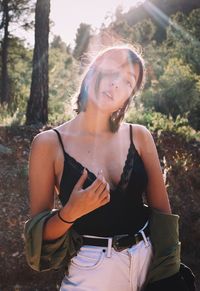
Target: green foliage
(57, 43)
(176, 92)
(8, 118)
(183, 38)
(122, 28)
(19, 69)
(194, 117)
(20, 12)
(142, 32)
(82, 40)
(156, 59)
(63, 79)
(155, 121)
(20, 66)
(172, 84)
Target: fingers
(98, 182)
(101, 186)
(103, 192)
(106, 198)
(99, 189)
(81, 180)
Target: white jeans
(94, 270)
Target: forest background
(37, 91)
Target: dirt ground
(180, 162)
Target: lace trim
(125, 176)
(128, 168)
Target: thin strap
(131, 133)
(60, 140)
(131, 136)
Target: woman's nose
(114, 84)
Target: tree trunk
(4, 55)
(37, 108)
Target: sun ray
(164, 20)
(67, 15)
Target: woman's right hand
(83, 201)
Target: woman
(101, 166)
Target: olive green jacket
(47, 255)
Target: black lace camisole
(126, 212)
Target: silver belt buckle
(116, 242)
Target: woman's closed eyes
(116, 76)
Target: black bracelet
(65, 221)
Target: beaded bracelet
(65, 221)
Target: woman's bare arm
(42, 183)
(157, 195)
(42, 186)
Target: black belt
(119, 242)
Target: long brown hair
(117, 116)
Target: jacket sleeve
(164, 235)
(47, 255)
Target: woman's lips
(108, 95)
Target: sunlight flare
(164, 20)
(67, 15)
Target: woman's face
(113, 80)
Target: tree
(57, 43)
(12, 12)
(82, 40)
(176, 92)
(183, 38)
(4, 53)
(19, 70)
(142, 32)
(37, 108)
(63, 80)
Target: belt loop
(109, 248)
(147, 244)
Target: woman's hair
(117, 116)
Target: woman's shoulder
(141, 136)
(45, 141)
(49, 137)
(46, 137)
(137, 129)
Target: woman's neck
(92, 123)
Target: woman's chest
(109, 158)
